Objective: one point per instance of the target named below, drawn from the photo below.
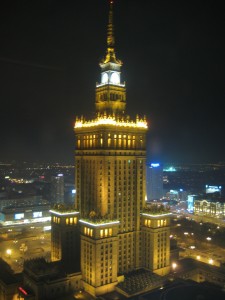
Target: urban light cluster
(111, 120)
(19, 180)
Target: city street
(198, 240)
(32, 242)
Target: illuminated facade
(154, 174)
(210, 208)
(57, 189)
(156, 242)
(110, 182)
(65, 239)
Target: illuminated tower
(65, 239)
(156, 239)
(57, 189)
(110, 174)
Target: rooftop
(6, 274)
(156, 209)
(186, 290)
(38, 268)
(63, 209)
(112, 120)
(139, 281)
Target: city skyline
(173, 57)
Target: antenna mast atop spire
(110, 33)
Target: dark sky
(174, 67)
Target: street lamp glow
(198, 257)
(9, 252)
(174, 266)
(210, 261)
(209, 238)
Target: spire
(110, 53)
(110, 33)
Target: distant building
(211, 208)
(154, 179)
(22, 201)
(57, 189)
(190, 203)
(211, 189)
(24, 214)
(69, 194)
(177, 195)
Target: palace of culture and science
(116, 235)
(111, 231)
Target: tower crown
(110, 92)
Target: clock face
(105, 78)
(115, 78)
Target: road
(34, 241)
(204, 250)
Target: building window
(105, 232)
(88, 231)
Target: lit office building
(210, 208)
(57, 188)
(211, 189)
(154, 178)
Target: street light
(210, 261)
(174, 266)
(9, 252)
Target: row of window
(56, 219)
(88, 231)
(160, 223)
(71, 221)
(115, 141)
(112, 96)
(105, 232)
(126, 162)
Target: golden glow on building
(71, 221)
(63, 213)
(99, 224)
(65, 237)
(112, 121)
(156, 242)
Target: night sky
(174, 67)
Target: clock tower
(110, 92)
